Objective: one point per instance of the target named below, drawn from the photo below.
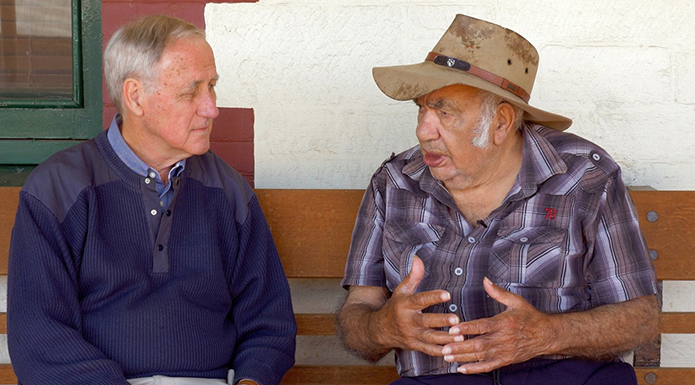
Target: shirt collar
(540, 159)
(128, 157)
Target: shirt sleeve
(365, 262)
(620, 268)
(262, 309)
(43, 310)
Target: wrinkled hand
(404, 324)
(518, 334)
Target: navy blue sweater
(98, 294)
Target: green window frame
(32, 131)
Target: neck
(146, 149)
(488, 189)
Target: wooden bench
(312, 231)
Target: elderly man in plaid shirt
(500, 250)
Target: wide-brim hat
(476, 53)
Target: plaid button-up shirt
(566, 237)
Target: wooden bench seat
(312, 230)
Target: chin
(200, 149)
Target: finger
(435, 337)
(437, 320)
(466, 351)
(481, 367)
(428, 298)
(430, 349)
(414, 277)
(500, 295)
(479, 326)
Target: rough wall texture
(623, 70)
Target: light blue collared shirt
(127, 156)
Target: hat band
(499, 81)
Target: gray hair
(488, 110)
(136, 49)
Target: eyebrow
(194, 84)
(442, 103)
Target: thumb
(506, 298)
(412, 281)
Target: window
(50, 77)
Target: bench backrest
(312, 230)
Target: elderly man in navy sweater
(140, 257)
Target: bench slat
(677, 323)
(7, 374)
(672, 235)
(666, 376)
(9, 199)
(340, 375)
(315, 324)
(315, 243)
(322, 324)
(312, 242)
(377, 375)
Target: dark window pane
(36, 49)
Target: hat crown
(492, 48)
(478, 54)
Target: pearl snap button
(458, 271)
(453, 307)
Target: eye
(443, 114)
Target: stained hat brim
(407, 82)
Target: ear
(133, 96)
(505, 118)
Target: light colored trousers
(163, 380)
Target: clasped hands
(518, 334)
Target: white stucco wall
(623, 70)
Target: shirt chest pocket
(402, 241)
(532, 256)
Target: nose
(207, 107)
(427, 126)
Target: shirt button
(596, 157)
(147, 180)
(160, 247)
(453, 308)
(523, 239)
(152, 174)
(153, 212)
(458, 271)
(161, 203)
(471, 240)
